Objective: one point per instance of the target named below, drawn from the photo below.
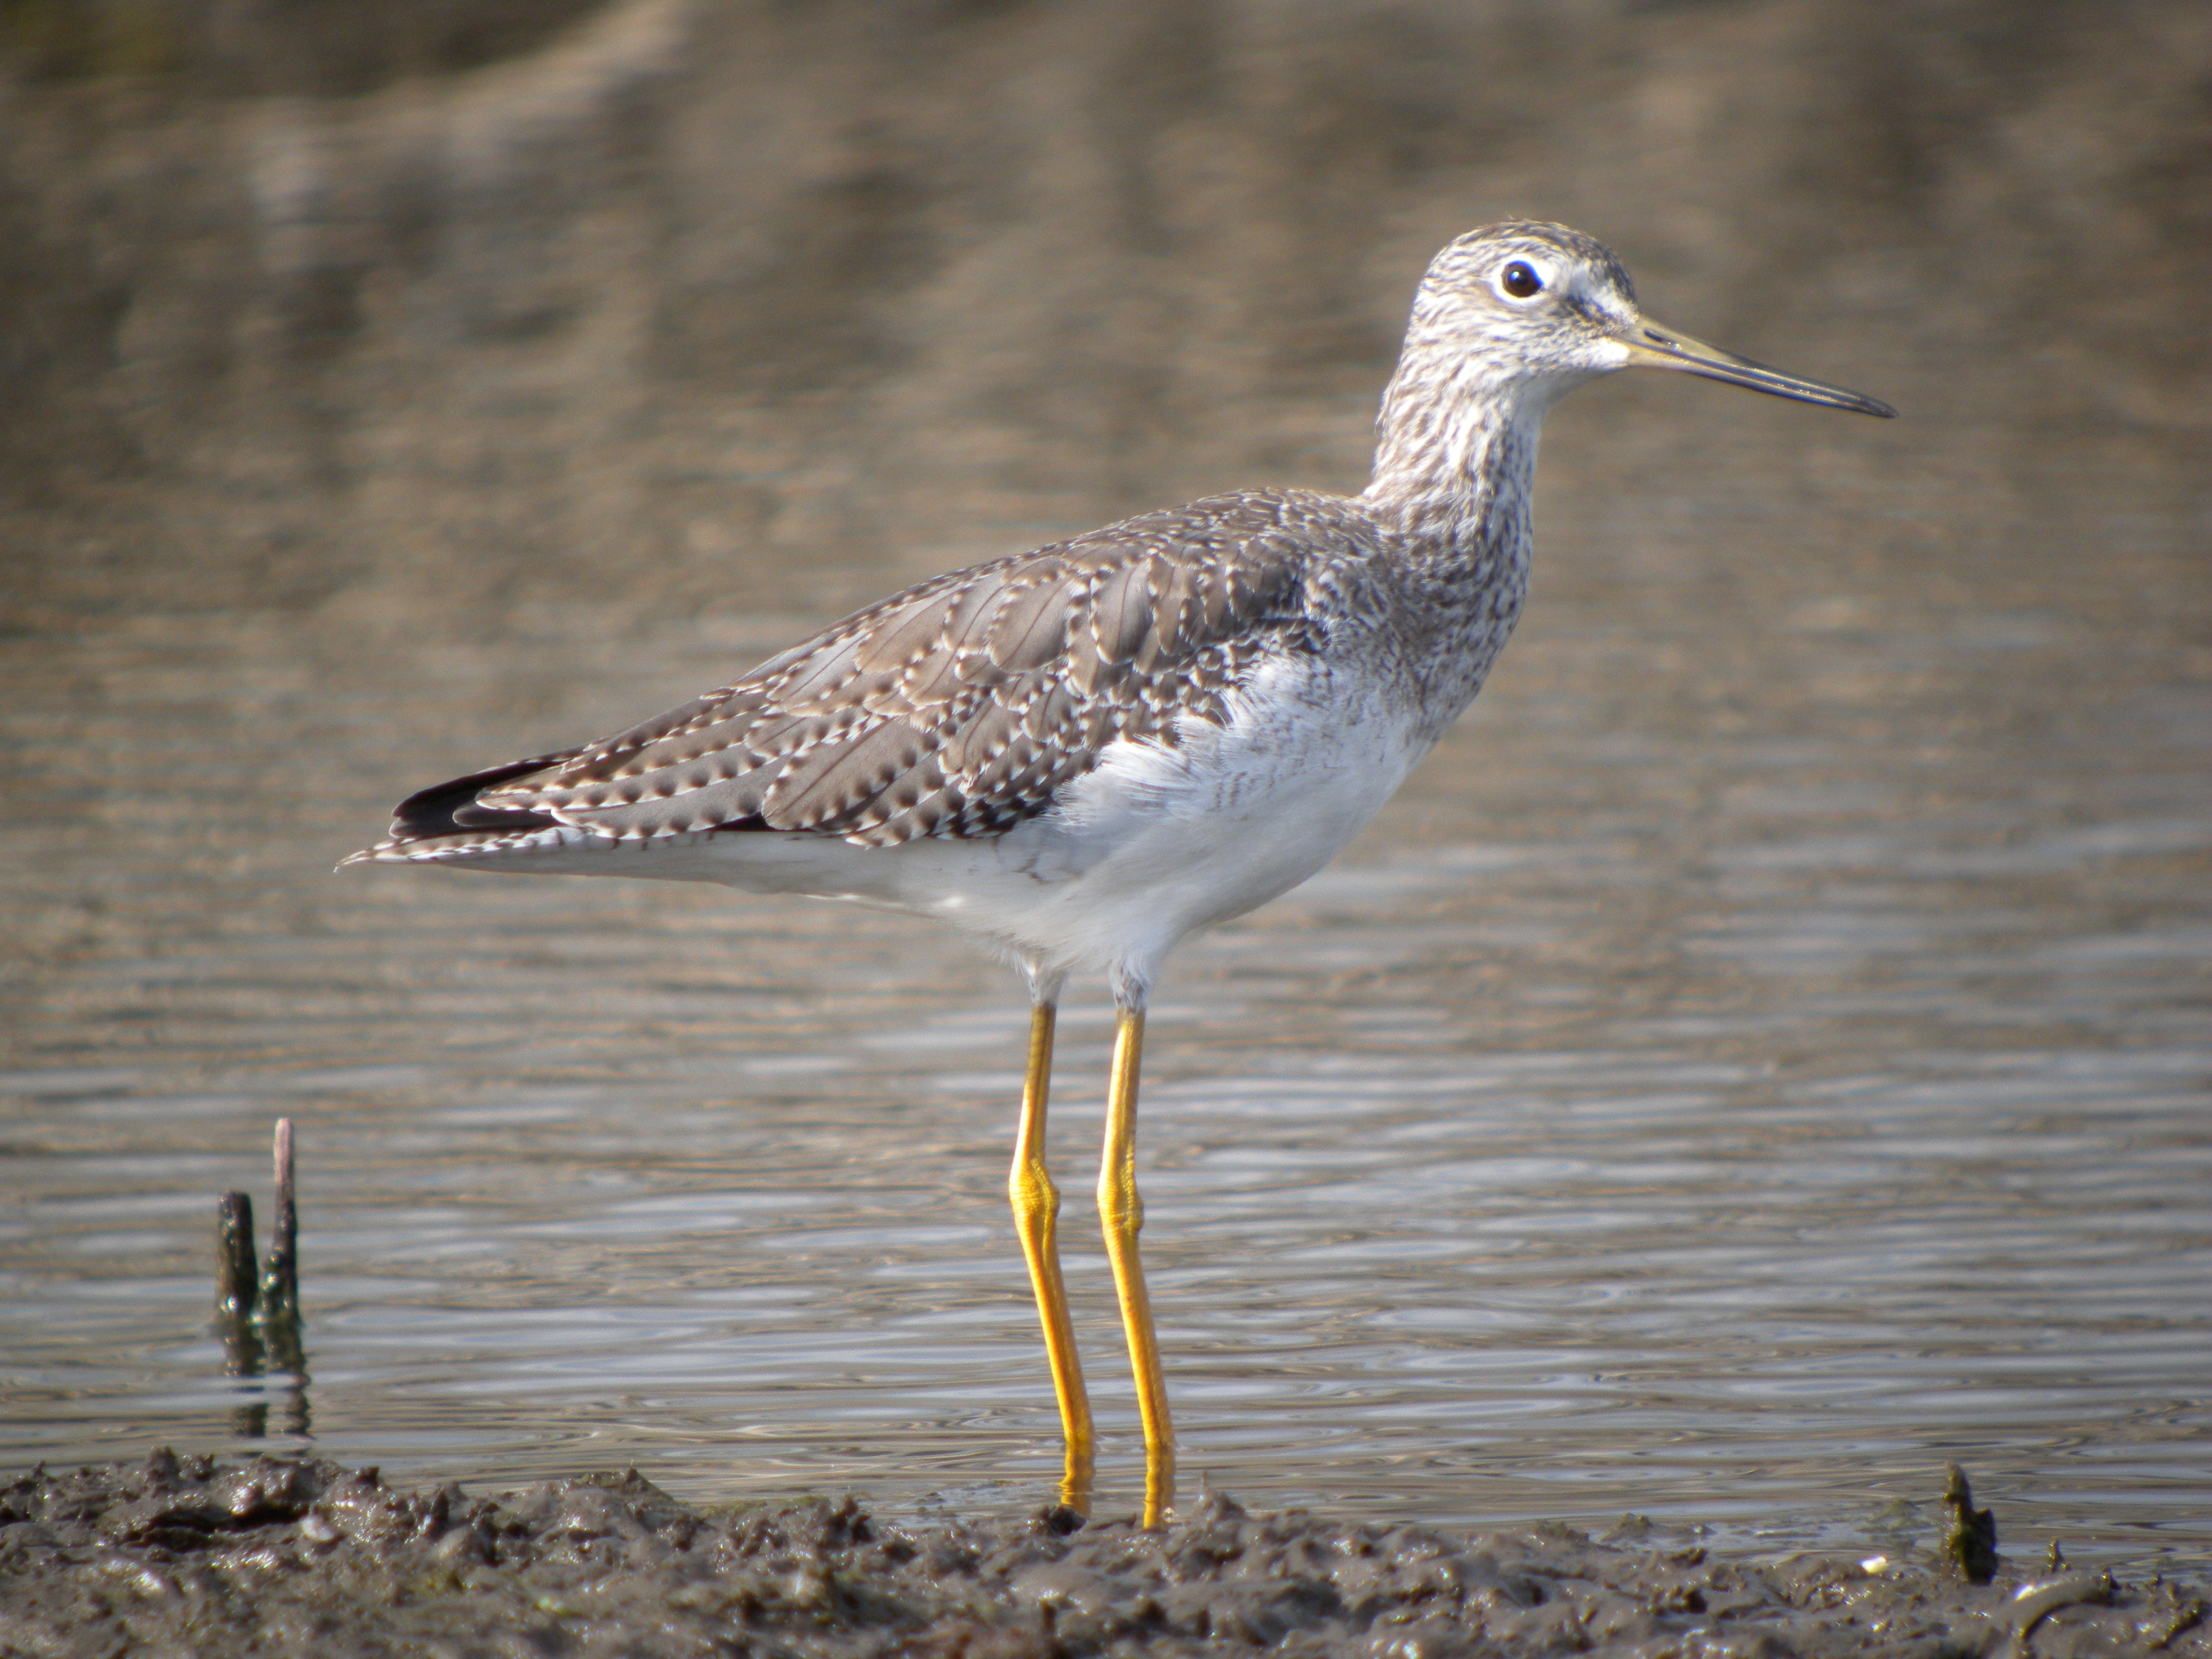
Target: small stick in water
(259, 1317)
(1970, 1535)
(234, 1293)
(234, 1280)
(280, 1280)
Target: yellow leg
(1122, 1213)
(1037, 1214)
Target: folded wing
(957, 708)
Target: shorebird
(1079, 755)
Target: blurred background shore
(425, 312)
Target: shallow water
(1761, 1056)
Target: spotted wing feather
(958, 708)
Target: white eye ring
(1520, 280)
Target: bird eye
(1521, 281)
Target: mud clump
(274, 1557)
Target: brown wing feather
(961, 706)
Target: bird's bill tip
(1652, 347)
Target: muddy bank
(181, 1554)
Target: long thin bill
(1650, 347)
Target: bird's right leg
(1036, 1215)
(1121, 1212)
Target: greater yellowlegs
(1079, 755)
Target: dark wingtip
(450, 808)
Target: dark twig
(235, 1278)
(280, 1279)
(1970, 1535)
(257, 1316)
(235, 1294)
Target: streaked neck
(1454, 460)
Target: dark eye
(1520, 280)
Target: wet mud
(182, 1554)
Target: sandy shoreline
(186, 1554)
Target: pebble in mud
(184, 1554)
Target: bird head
(1527, 312)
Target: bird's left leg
(1121, 1212)
(1037, 1213)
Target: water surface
(1762, 1055)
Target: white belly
(1157, 843)
(1152, 844)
